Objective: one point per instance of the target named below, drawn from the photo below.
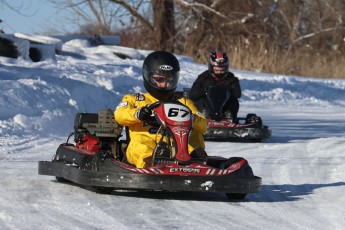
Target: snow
(301, 165)
(57, 43)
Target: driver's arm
(198, 90)
(200, 122)
(235, 88)
(125, 111)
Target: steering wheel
(154, 105)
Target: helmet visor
(220, 69)
(164, 81)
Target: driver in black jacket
(218, 74)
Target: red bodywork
(177, 119)
(226, 124)
(194, 169)
(89, 143)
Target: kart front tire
(103, 190)
(235, 196)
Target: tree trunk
(164, 24)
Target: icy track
(302, 164)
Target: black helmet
(218, 59)
(161, 74)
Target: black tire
(255, 140)
(61, 180)
(103, 190)
(250, 116)
(235, 196)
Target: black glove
(143, 113)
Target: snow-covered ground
(302, 164)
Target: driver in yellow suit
(161, 75)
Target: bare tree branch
(134, 12)
(239, 21)
(314, 34)
(184, 4)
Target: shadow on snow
(287, 192)
(286, 130)
(268, 194)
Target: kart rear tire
(235, 196)
(61, 180)
(255, 140)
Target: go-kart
(222, 126)
(98, 159)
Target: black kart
(222, 126)
(97, 158)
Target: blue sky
(33, 17)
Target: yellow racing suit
(143, 137)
